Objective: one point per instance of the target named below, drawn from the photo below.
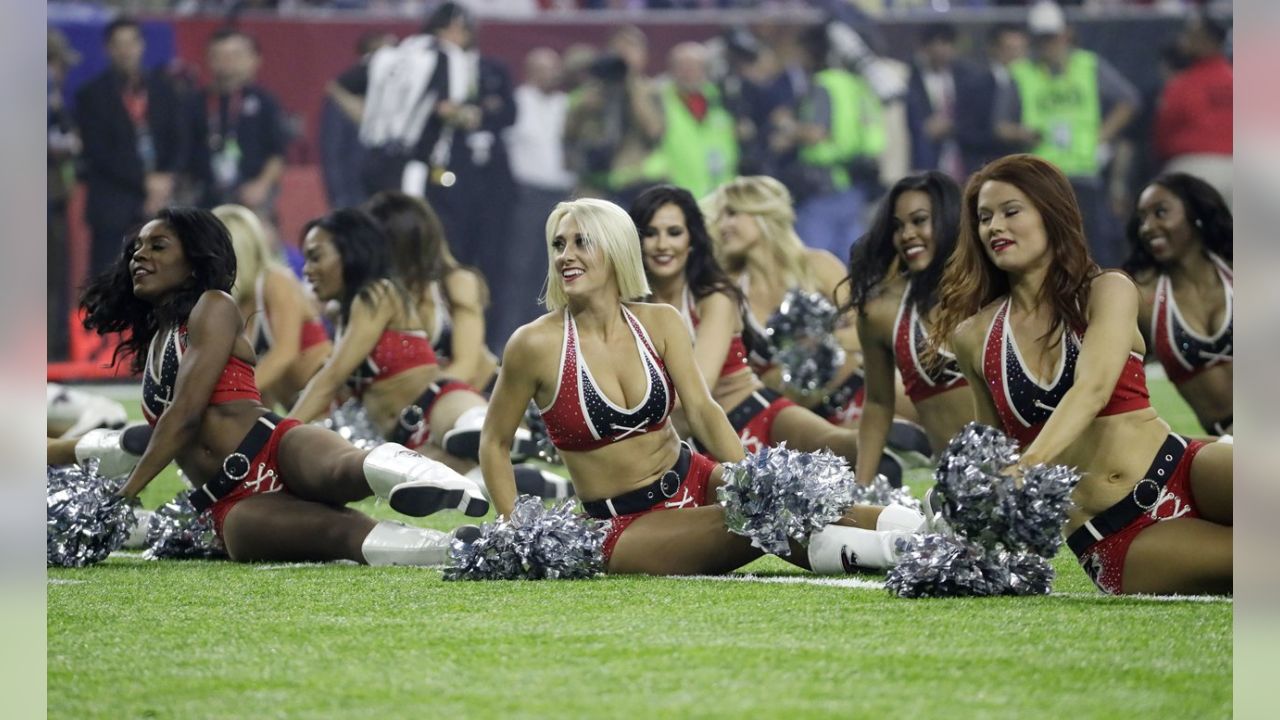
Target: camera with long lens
(608, 68)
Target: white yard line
(852, 582)
(65, 581)
(300, 565)
(845, 582)
(1148, 598)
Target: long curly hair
(420, 253)
(366, 256)
(769, 203)
(110, 306)
(1207, 212)
(971, 281)
(702, 271)
(873, 256)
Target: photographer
(615, 122)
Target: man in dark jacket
(239, 134)
(131, 138)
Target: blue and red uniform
(580, 418)
(1024, 405)
(235, 383)
(909, 342)
(1183, 352)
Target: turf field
(131, 638)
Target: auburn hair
(971, 281)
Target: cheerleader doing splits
(1051, 347)
(605, 371)
(276, 488)
(894, 272)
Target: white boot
(901, 518)
(80, 411)
(107, 447)
(393, 543)
(838, 549)
(463, 439)
(418, 486)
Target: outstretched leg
(318, 465)
(1212, 484)
(694, 541)
(803, 430)
(284, 528)
(1182, 556)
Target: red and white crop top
(235, 383)
(581, 418)
(1024, 405)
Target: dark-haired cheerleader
(276, 488)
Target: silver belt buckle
(236, 456)
(1155, 489)
(411, 418)
(662, 484)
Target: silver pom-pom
(538, 430)
(778, 494)
(351, 421)
(534, 543)
(806, 349)
(948, 566)
(986, 504)
(880, 492)
(1007, 527)
(177, 531)
(86, 520)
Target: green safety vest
(1065, 108)
(697, 156)
(857, 125)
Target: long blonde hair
(608, 227)
(254, 252)
(768, 202)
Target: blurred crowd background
(208, 102)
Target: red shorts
(753, 419)
(692, 493)
(263, 477)
(1104, 560)
(419, 435)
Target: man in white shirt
(535, 144)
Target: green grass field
(131, 638)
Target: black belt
(236, 466)
(1144, 497)
(666, 486)
(412, 417)
(1220, 427)
(746, 411)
